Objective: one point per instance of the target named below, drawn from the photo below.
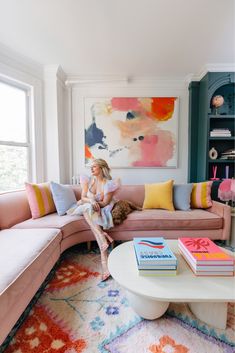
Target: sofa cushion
(67, 224)
(40, 199)
(19, 249)
(161, 219)
(133, 193)
(16, 201)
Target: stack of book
(220, 133)
(154, 257)
(205, 258)
(228, 154)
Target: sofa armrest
(223, 211)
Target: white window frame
(30, 142)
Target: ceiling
(167, 38)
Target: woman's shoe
(105, 276)
(104, 246)
(110, 239)
(104, 267)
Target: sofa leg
(88, 245)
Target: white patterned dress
(104, 217)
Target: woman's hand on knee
(96, 206)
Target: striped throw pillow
(40, 199)
(201, 195)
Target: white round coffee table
(150, 296)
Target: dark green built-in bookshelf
(202, 120)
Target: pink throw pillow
(201, 195)
(40, 199)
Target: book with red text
(203, 251)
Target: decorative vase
(213, 154)
(217, 101)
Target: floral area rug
(78, 313)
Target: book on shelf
(220, 133)
(228, 157)
(203, 251)
(221, 130)
(228, 154)
(157, 273)
(153, 251)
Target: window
(15, 144)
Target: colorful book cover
(153, 251)
(208, 267)
(208, 273)
(204, 251)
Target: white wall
(134, 88)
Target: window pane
(12, 114)
(13, 167)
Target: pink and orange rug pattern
(77, 313)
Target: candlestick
(214, 168)
(226, 171)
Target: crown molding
(61, 75)
(76, 81)
(94, 79)
(52, 72)
(158, 81)
(230, 67)
(19, 62)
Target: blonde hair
(104, 167)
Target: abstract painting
(132, 132)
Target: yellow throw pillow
(159, 195)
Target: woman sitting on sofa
(96, 204)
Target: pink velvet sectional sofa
(29, 248)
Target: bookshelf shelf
(232, 138)
(221, 161)
(221, 116)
